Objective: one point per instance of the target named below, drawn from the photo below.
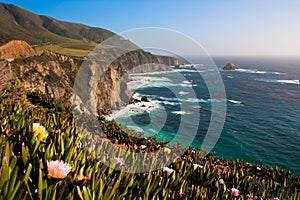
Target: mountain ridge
(55, 71)
(38, 30)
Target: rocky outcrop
(48, 73)
(145, 99)
(16, 49)
(101, 89)
(112, 91)
(230, 66)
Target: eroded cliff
(101, 89)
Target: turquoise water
(263, 110)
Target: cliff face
(113, 88)
(48, 73)
(102, 89)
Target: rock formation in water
(230, 66)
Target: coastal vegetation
(42, 156)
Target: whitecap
(234, 101)
(136, 108)
(170, 103)
(183, 93)
(182, 113)
(297, 82)
(255, 71)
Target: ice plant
(197, 165)
(181, 194)
(235, 192)
(119, 161)
(81, 177)
(221, 182)
(58, 169)
(143, 147)
(39, 131)
(167, 150)
(252, 197)
(168, 170)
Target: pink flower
(119, 161)
(168, 170)
(58, 169)
(196, 166)
(221, 182)
(143, 147)
(276, 198)
(252, 197)
(235, 192)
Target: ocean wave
(151, 73)
(255, 71)
(187, 84)
(196, 100)
(234, 101)
(170, 103)
(183, 93)
(153, 81)
(295, 82)
(186, 70)
(182, 113)
(145, 81)
(136, 108)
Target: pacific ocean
(263, 109)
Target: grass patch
(62, 50)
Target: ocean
(262, 123)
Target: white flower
(168, 170)
(58, 169)
(197, 165)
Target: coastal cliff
(55, 75)
(54, 57)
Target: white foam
(183, 93)
(182, 113)
(234, 101)
(297, 82)
(187, 84)
(145, 81)
(170, 103)
(255, 71)
(136, 108)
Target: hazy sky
(222, 27)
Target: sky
(222, 27)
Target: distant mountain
(39, 29)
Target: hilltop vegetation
(43, 31)
(43, 155)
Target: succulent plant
(25, 171)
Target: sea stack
(230, 66)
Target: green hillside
(45, 32)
